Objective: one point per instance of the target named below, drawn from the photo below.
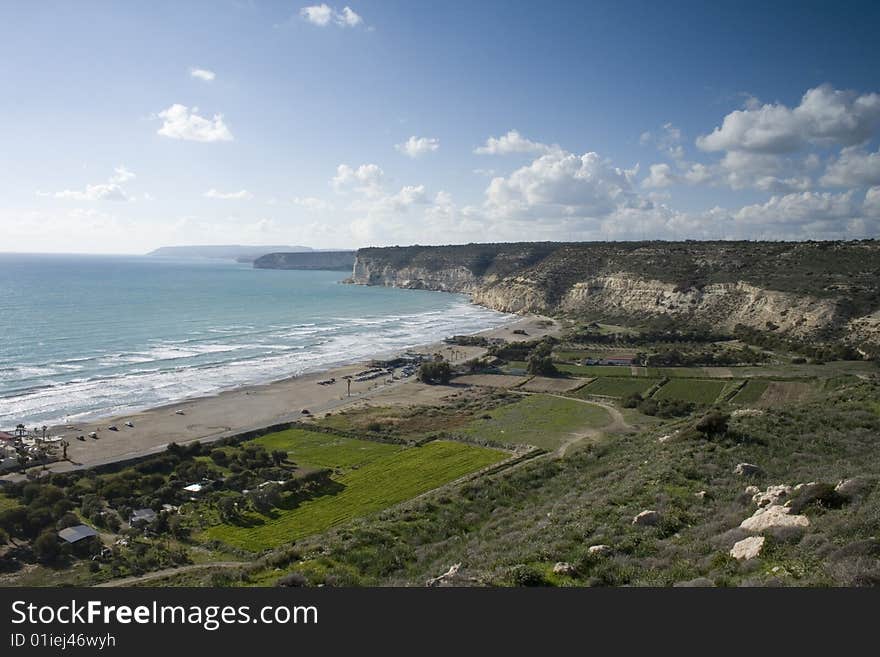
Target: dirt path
(157, 574)
(618, 423)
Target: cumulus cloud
(667, 141)
(179, 122)
(659, 176)
(824, 116)
(367, 178)
(202, 74)
(512, 142)
(854, 167)
(241, 195)
(323, 15)
(560, 183)
(417, 146)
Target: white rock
(747, 469)
(564, 568)
(598, 550)
(773, 495)
(646, 518)
(701, 495)
(748, 548)
(771, 517)
(752, 490)
(445, 577)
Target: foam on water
(113, 335)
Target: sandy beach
(251, 407)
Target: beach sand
(250, 407)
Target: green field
(379, 483)
(541, 420)
(751, 392)
(325, 450)
(701, 391)
(617, 386)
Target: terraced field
(608, 386)
(700, 391)
(325, 450)
(751, 392)
(376, 482)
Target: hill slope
(817, 289)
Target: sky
(129, 126)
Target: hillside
(817, 289)
(242, 253)
(327, 260)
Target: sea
(83, 337)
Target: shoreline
(252, 406)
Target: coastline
(247, 407)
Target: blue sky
(126, 126)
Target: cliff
(329, 260)
(816, 289)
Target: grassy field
(701, 391)
(752, 392)
(617, 386)
(324, 450)
(539, 420)
(382, 482)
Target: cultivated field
(701, 391)
(378, 483)
(779, 393)
(325, 450)
(541, 420)
(751, 392)
(492, 380)
(557, 385)
(608, 386)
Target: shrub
(713, 424)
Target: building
(76, 533)
(141, 516)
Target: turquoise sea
(90, 336)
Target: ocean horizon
(90, 336)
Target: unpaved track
(157, 574)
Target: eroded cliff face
(581, 288)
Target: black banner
(227, 621)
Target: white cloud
(661, 175)
(179, 122)
(323, 15)
(202, 74)
(853, 168)
(109, 191)
(367, 178)
(100, 192)
(667, 141)
(417, 146)
(872, 202)
(312, 203)
(512, 142)
(824, 116)
(242, 195)
(121, 175)
(560, 183)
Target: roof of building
(6, 436)
(143, 514)
(76, 533)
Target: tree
(46, 547)
(279, 456)
(438, 371)
(228, 507)
(713, 424)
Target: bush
(632, 400)
(292, 580)
(713, 424)
(524, 575)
